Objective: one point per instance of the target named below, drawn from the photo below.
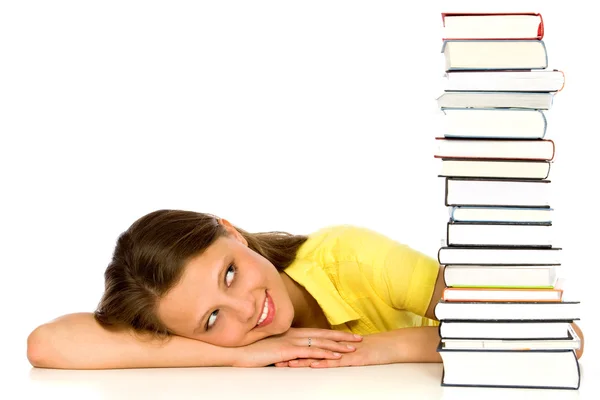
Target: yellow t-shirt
(364, 281)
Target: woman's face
(228, 296)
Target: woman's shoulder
(350, 233)
(333, 234)
(343, 231)
(342, 240)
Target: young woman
(190, 289)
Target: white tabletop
(396, 381)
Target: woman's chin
(277, 329)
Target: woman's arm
(416, 344)
(78, 341)
(438, 291)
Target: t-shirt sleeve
(401, 276)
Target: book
(499, 234)
(571, 342)
(501, 294)
(522, 149)
(499, 255)
(500, 214)
(528, 100)
(505, 329)
(503, 319)
(492, 275)
(492, 26)
(497, 192)
(558, 369)
(498, 310)
(503, 123)
(494, 54)
(510, 169)
(504, 81)
(544, 369)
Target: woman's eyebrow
(223, 265)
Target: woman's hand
(325, 345)
(373, 350)
(400, 345)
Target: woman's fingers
(325, 344)
(330, 334)
(341, 336)
(278, 350)
(305, 346)
(325, 364)
(316, 353)
(301, 363)
(320, 350)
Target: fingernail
(357, 336)
(294, 362)
(350, 347)
(336, 354)
(315, 363)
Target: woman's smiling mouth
(268, 312)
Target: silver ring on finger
(309, 342)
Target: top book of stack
(494, 42)
(524, 26)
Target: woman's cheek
(232, 337)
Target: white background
(276, 115)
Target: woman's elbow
(37, 347)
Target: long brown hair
(150, 256)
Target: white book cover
(502, 123)
(504, 81)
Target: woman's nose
(245, 307)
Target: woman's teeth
(265, 311)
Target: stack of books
(503, 319)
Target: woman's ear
(232, 231)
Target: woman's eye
(211, 319)
(230, 275)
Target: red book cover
(540, 30)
